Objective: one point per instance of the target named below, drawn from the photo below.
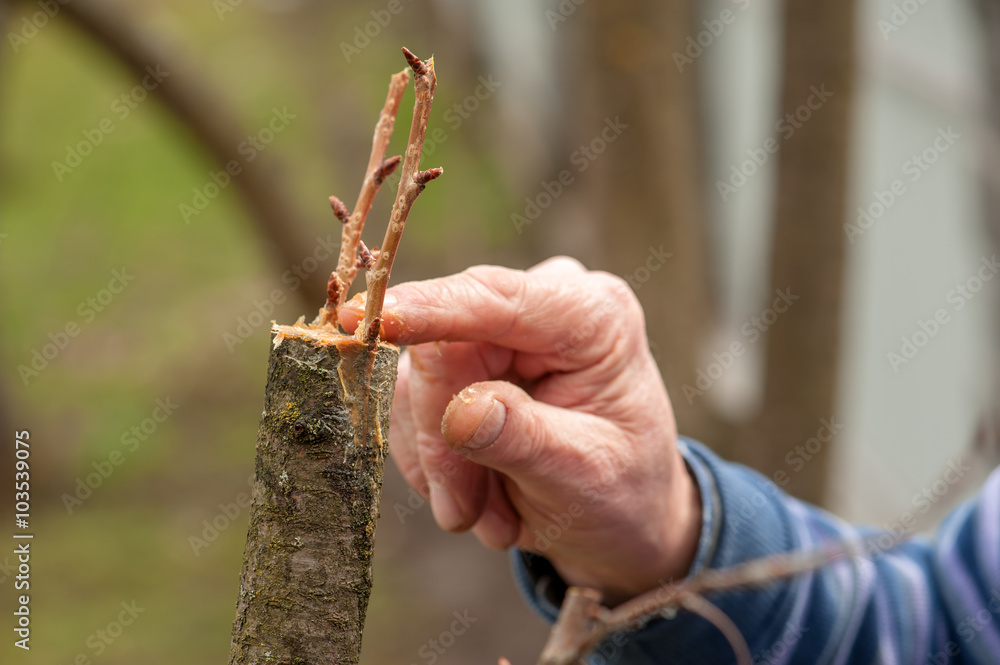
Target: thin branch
(586, 623)
(411, 183)
(378, 169)
(577, 628)
(712, 614)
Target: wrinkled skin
(529, 409)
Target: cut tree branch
(307, 565)
(378, 169)
(411, 183)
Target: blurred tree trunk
(650, 177)
(809, 246)
(987, 444)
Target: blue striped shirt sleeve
(921, 602)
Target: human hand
(529, 408)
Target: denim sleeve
(921, 603)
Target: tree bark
(321, 446)
(803, 345)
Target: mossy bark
(321, 446)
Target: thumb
(499, 425)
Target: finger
(402, 431)
(559, 265)
(458, 487)
(575, 320)
(544, 449)
(499, 526)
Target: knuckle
(618, 300)
(567, 262)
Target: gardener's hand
(529, 409)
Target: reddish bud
(415, 63)
(424, 177)
(388, 166)
(339, 209)
(333, 289)
(367, 260)
(374, 328)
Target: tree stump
(321, 445)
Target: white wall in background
(901, 427)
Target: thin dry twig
(583, 623)
(411, 183)
(709, 612)
(379, 167)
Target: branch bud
(334, 288)
(340, 210)
(424, 177)
(388, 166)
(374, 328)
(367, 259)
(416, 64)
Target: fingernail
(490, 428)
(389, 300)
(445, 508)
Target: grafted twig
(411, 183)
(379, 167)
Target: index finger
(577, 317)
